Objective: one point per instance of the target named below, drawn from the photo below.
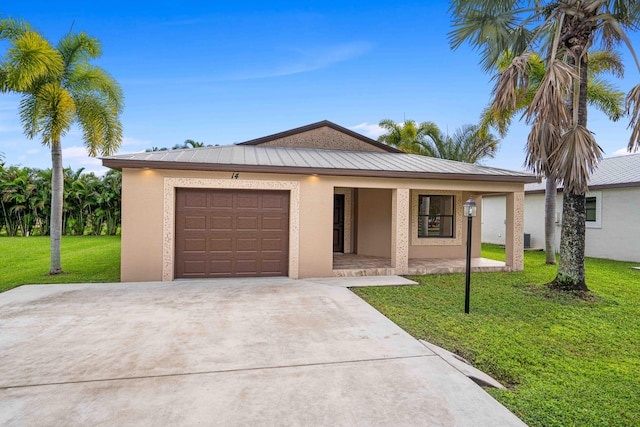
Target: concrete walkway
(223, 352)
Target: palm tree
(59, 87)
(407, 136)
(600, 94)
(560, 141)
(467, 144)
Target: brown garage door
(231, 233)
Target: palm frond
(77, 49)
(606, 97)
(57, 112)
(12, 29)
(606, 61)
(549, 103)
(29, 59)
(511, 83)
(633, 109)
(541, 143)
(493, 29)
(88, 79)
(575, 158)
(612, 34)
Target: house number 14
(235, 175)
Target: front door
(338, 223)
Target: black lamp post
(470, 210)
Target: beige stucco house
(301, 202)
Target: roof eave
(119, 164)
(592, 187)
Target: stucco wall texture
(324, 138)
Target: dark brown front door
(231, 233)
(338, 223)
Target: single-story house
(612, 220)
(300, 202)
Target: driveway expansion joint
(221, 371)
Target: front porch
(415, 231)
(354, 265)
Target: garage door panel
(271, 223)
(247, 223)
(246, 233)
(220, 200)
(224, 244)
(194, 268)
(248, 201)
(192, 222)
(274, 203)
(271, 244)
(195, 200)
(247, 245)
(247, 266)
(195, 245)
(219, 223)
(271, 266)
(220, 267)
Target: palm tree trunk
(57, 194)
(550, 219)
(571, 275)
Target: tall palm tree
(561, 32)
(467, 144)
(59, 87)
(600, 94)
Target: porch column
(514, 235)
(400, 230)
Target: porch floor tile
(351, 265)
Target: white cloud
(309, 60)
(128, 141)
(79, 156)
(621, 152)
(33, 151)
(372, 131)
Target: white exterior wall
(534, 219)
(615, 234)
(618, 236)
(494, 219)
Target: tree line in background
(91, 204)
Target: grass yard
(25, 260)
(566, 362)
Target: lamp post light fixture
(470, 210)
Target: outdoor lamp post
(470, 210)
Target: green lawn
(566, 361)
(25, 260)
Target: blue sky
(225, 72)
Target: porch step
(360, 272)
(354, 282)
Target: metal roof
(613, 172)
(308, 161)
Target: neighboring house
(285, 204)
(612, 220)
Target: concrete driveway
(224, 352)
